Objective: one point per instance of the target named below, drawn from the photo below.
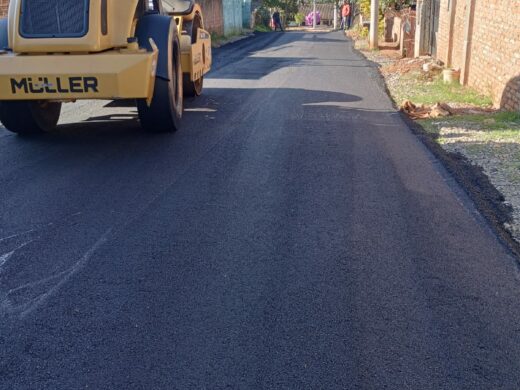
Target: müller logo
(57, 85)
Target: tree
(289, 6)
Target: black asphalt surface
(293, 235)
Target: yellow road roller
(153, 52)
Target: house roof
(326, 10)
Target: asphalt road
(293, 235)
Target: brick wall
(213, 16)
(232, 11)
(3, 7)
(493, 65)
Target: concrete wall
(246, 13)
(224, 17)
(232, 12)
(482, 38)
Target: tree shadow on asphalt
(271, 43)
(209, 111)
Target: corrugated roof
(326, 10)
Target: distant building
(326, 11)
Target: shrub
(262, 17)
(299, 18)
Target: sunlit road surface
(293, 235)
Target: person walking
(277, 21)
(345, 15)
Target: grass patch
(500, 127)
(262, 28)
(414, 87)
(218, 40)
(482, 146)
(499, 122)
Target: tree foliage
(288, 6)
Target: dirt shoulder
(479, 145)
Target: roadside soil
(218, 41)
(478, 144)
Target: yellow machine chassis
(83, 68)
(119, 19)
(115, 74)
(196, 57)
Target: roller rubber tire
(29, 117)
(165, 112)
(192, 88)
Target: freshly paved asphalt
(293, 235)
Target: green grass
(217, 39)
(413, 87)
(498, 121)
(491, 141)
(490, 127)
(262, 28)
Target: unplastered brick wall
(493, 52)
(3, 7)
(213, 16)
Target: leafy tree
(288, 6)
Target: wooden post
(449, 54)
(466, 49)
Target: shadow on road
(210, 111)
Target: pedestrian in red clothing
(345, 15)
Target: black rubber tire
(30, 117)
(191, 27)
(4, 40)
(165, 112)
(192, 88)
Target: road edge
(485, 199)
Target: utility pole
(374, 24)
(335, 16)
(314, 15)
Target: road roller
(149, 52)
